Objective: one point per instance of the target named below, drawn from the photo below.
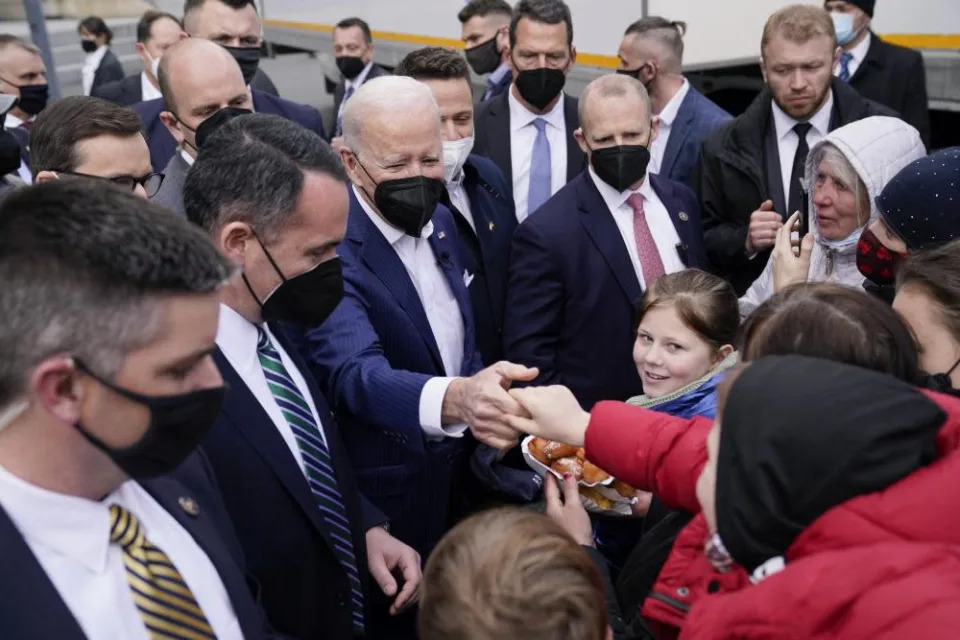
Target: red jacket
(883, 565)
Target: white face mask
(843, 24)
(154, 64)
(454, 155)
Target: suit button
(341, 600)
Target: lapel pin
(190, 506)
(441, 235)
(683, 216)
(492, 226)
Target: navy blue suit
(695, 120)
(573, 289)
(372, 357)
(305, 589)
(162, 145)
(485, 253)
(31, 607)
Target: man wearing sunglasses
(87, 138)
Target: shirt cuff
(431, 408)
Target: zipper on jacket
(670, 601)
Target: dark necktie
(845, 58)
(796, 175)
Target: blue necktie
(845, 59)
(539, 191)
(343, 104)
(319, 466)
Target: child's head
(687, 323)
(511, 573)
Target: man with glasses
(528, 131)
(92, 139)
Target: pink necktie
(650, 263)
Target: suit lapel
(679, 131)
(441, 242)
(499, 140)
(253, 423)
(872, 59)
(680, 218)
(27, 588)
(602, 229)
(575, 157)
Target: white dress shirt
(12, 122)
(90, 64)
(523, 134)
(237, 338)
(70, 537)
(149, 91)
(666, 116)
(658, 220)
(442, 311)
(788, 141)
(353, 84)
(189, 159)
(459, 199)
(859, 52)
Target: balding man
(398, 356)
(202, 88)
(652, 52)
(22, 74)
(235, 26)
(579, 264)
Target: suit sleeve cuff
(431, 407)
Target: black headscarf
(800, 436)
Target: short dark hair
(81, 266)
(832, 322)
(193, 5)
(251, 169)
(147, 20)
(67, 122)
(484, 8)
(347, 23)
(96, 26)
(544, 11)
(937, 272)
(669, 33)
(433, 63)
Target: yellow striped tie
(164, 600)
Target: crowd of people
(266, 376)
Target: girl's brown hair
(937, 271)
(705, 303)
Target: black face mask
(217, 120)
(33, 97)
(540, 86)
(177, 426)
(88, 45)
(633, 73)
(484, 58)
(620, 166)
(248, 58)
(306, 299)
(407, 203)
(350, 66)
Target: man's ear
(170, 122)
(57, 387)
(45, 176)
(763, 69)
(232, 242)
(581, 140)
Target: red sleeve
(649, 450)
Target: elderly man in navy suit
(398, 357)
(652, 52)
(581, 262)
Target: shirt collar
(234, 332)
(820, 120)
(187, 157)
(147, 90)
(669, 112)
(360, 79)
(390, 232)
(75, 527)
(12, 122)
(94, 57)
(457, 181)
(498, 74)
(615, 199)
(520, 116)
(859, 52)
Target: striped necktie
(845, 58)
(162, 597)
(319, 466)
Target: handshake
(497, 414)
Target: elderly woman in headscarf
(845, 173)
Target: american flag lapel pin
(492, 226)
(441, 235)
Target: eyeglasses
(150, 182)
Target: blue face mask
(843, 24)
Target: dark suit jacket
(492, 136)
(695, 120)
(162, 145)
(372, 357)
(338, 92)
(170, 194)
(124, 92)
(573, 289)
(110, 70)
(498, 89)
(894, 76)
(485, 253)
(261, 82)
(31, 607)
(304, 588)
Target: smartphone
(803, 220)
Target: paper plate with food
(599, 491)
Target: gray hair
(252, 170)
(831, 158)
(613, 85)
(83, 267)
(390, 94)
